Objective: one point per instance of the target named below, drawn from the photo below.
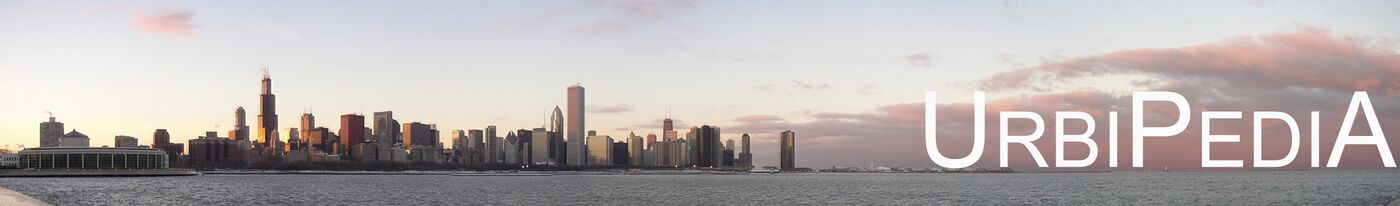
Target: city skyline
(849, 80)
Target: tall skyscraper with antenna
(267, 115)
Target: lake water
(1354, 187)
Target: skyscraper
(635, 149)
(788, 149)
(418, 135)
(576, 125)
(745, 158)
(556, 137)
(386, 129)
(539, 146)
(50, 132)
(308, 123)
(267, 117)
(161, 140)
(492, 149)
(352, 131)
(599, 150)
(510, 151)
(476, 145)
(240, 125)
(705, 146)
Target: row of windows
(93, 161)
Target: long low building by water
(92, 158)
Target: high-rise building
(351, 132)
(539, 146)
(705, 146)
(161, 140)
(50, 132)
(294, 140)
(125, 141)
(745, 158)
(477, 145)
(620, 154)
(524, 136)
(635, 149)
(599, 150)
(240, 125)
(419, 134)
(492, 149)
(386, 129)
(576, 124)
(267, 116)
(308, 122)
(510, 150)
(728, 158)
(557, 151)
(788, 150)
(320, 139)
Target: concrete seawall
(11, 198)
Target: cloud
(758, 119)
(793, 85)
(166, 23)
(610, 109)
(810, 86)
(919, 59)
(1295, 73)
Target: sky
(848, 77)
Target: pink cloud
(758, 118)
(918, 60)
(610, 109)
(167, 23)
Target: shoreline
(11, 197)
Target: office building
(212, 150)
(352, 132)
(745, 158)
(510, 152)
(308, 123)
(599, 150)
(125, 141)
(576, 124)
(493, 145)
(240, 125)
(557, 151)
(705, 146)
(787, 150)
(635, 149)
(50, 132)
(539, 147)
(267, 116)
